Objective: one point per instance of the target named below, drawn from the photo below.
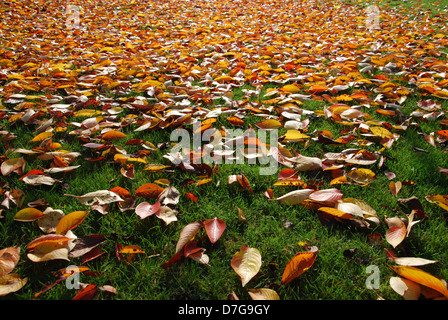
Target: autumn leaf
(11, 282)
(12, 165)
(214, 228)
(113, 135)
(145, 209)
(149, 190)
(336, 213)
(270, 124)
(28, 214)
(9, 257)
(85, 244)
(263, 294)
(246, 263)
(50, 219)
(295, 197)
(406, 288)
(326, 195)
(441, 201)
(421, 277)
(49, 247)
(362, 176)
(70, 221)
(301, 262)
(187, 234)
(99, 197)
(395, 187)
(86, 293)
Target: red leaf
(87, 293)
(214, 228)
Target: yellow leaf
(294, 136)
(28, 214)
(422, 277)
(87, 113)
(335, 212)
(269, 124)
(381, 132)
(70, 221)
(362, 176)
(441, 201)
(42, 136)
(290, 88)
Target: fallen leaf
(406, 288)
(70, 221)
(11, 282)
(395, 187)
(99, 197)
(263, 294)
(421, 277)
(149, 190)
(214, 228)
(246, 263)
(301, 262)
(28, 215)
(295, 197)
(145, 209)
(8, 259)
(187, 234)
(12, 165)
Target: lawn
(91, 96)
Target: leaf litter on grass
(108, 77)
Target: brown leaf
(8, 259)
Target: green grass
(332, 276)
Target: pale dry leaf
(246, 263)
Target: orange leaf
(87, 293)
(131, 249)
(50, 238)
(269, 124)
(443, 133)
(113, 135)
(122, 192)
(301, 262)
(422, 277)
(149, 190)
(70, 221)
(191, 196)
(395, 187)
(241, 178)
(235, 121)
